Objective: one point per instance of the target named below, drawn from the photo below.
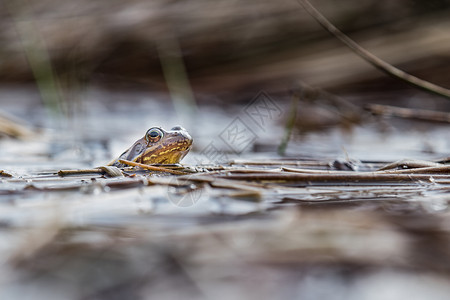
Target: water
(92, 236)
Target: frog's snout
(183, 132)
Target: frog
(157, 146)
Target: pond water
(90, 236)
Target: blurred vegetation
(226, 46)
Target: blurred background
(80, 81)
(221, 47)
(194, 62)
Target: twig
(114, 171)
(409, 113)
(426, 170)
(313, 171)
(444, 160)
(274, 162)
(410, 164)
(420, 170)
(80, 172)
(372, 59)
(350, 177)
(109, 170)
(152, 168)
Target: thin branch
(151, 168)
(409, 113)
(372, 59)
(350, 177)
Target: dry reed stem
(152, 168)
(409, 113)
(80, 172)
(372, 59)
(350, 177)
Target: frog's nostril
(178, 127)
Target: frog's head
(159, 147)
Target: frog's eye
(153, 135)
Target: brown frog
(158, 147)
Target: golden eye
(153, 135)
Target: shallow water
(90, 236)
